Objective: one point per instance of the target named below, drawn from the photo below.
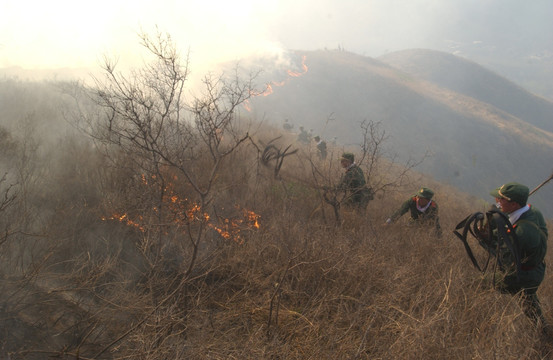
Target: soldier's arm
(399, 212)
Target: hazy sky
(60, 33)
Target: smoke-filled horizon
(510, 37)
(60, 33)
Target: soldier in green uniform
(354, 184)
(423, 210)
(531, 235)
(321, 147)
(303, 136)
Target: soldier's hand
(483, 232)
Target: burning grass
(274, 279)
(338, 295)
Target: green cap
(512, 191)
(348, 156)
(425, 193)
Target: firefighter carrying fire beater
(530, 234)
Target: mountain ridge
(476, 145)
(472, 79)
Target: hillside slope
(474, 145)
(471, 79)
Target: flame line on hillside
(269, 89)
(183, 212)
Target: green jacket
(531, 233)
(354, 184)
(429, 216)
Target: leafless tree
(171, 143)
(147, 117)
(378, 163)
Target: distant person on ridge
(423, 210)
(353, 183)
(321, 146)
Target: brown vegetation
(129, 248)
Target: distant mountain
(471, 79)
(481, 129)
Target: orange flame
(124, 219)
(303, 66)
(269, 90)
(231, 229)
(252, 218)
(184, 212)
(247, 106)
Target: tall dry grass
(299, 287)
(306, 291)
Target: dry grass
(303, 290)
(357, 295)
(299, 287)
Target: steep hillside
(474, 145)
(471, 79)
(108, 252)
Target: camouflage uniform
(430, 215)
